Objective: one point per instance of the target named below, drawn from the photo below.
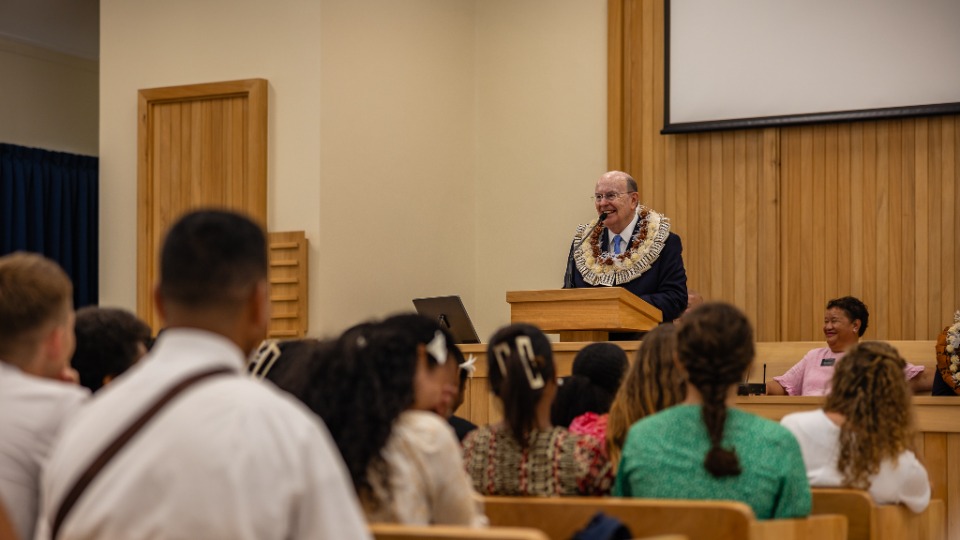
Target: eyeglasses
(609, 197)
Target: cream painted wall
(400, 133)
(541, 141)
(48, 99)
(152, 44)
(397, 158)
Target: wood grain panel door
(199, 145)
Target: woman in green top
(702, 449)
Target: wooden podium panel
(583, 314)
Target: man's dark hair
(854, 309)
(107, 343)
(211, 258)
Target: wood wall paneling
(778, 221)
(289, 279)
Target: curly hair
(653, 383)
(854, 309)
(715, 346)
(359, 385)
(597, 371)
(511, 385)
(869, 390)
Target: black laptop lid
(450, 313)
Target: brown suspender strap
(107, 454)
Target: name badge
(827, 362)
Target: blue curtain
(49, 204)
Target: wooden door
(199, 145)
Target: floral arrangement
(948, 354)
(953, 347)
(605, 268)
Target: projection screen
(756, 63)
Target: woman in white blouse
(861, 437)
(375, 388)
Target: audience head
(844, 322)
(453, 378)
(715, 348)
(653, 383)
(287, 363)
(360, 383)
(522, 374)
(36, 315)
(623, 202)
(213, 276)
(871, 393)
(597, 371)
(435, 378)
(109, 341)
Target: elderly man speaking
(630, 246)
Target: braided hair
(869, 390)
(715, 347)
(520, 361)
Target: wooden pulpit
(588, 314)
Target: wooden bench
(392, 531)
(561, 517)
(869, 521)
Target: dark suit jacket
(664, 285)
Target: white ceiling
(67, 26)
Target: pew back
(393, 531)
(561, 517)
(870, 521)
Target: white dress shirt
(901, 481)
(229, 458)
(32, 410)
(624, 235)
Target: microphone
(600, 218)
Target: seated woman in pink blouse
(844, 323)
(861, 437)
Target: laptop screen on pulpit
(450, 313)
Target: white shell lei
(629, 268)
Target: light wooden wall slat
(866, 208)
(289, 284)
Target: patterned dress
(555, 462)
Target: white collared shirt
(626, 239)
(229, 458)
(32, 411)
